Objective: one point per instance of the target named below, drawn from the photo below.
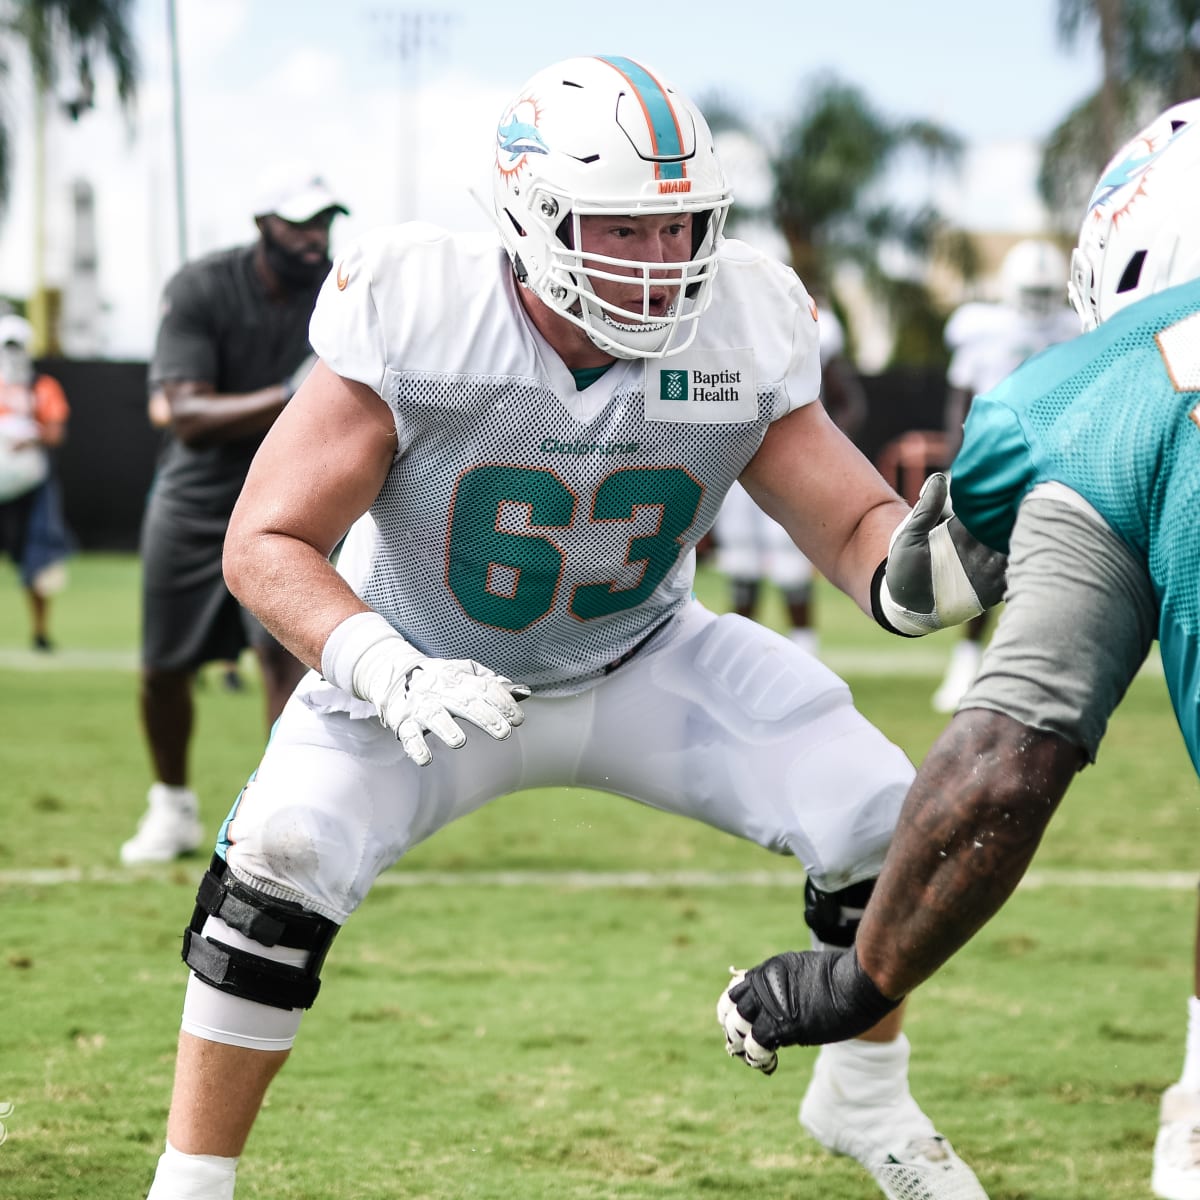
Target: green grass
(549, 1040)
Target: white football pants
(719, 719)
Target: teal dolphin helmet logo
(1139, 235)
(518, 136)
(1125, 171)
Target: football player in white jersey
(987, 342)
(525, 439)
(751, 546)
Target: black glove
(798, 999)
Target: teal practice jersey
(1115, 416)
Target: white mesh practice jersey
(988, 342)
(544, 531)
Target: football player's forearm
(291, 588)
(200, 419)
(971, 823)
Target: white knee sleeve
(217, 1016)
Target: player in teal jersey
(1084, 467)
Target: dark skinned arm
(969, 827)
(958, 400)
(51, 433)
(843, 396)
(200, 416)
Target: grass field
(524, 1008)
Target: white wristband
(348, 642)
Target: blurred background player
(232, 348)
(751, 547)
(158, 411)
(987, 342)
(33, 420)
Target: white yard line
(1172, 881)
(68, 660)
(901, 661)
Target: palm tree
(65, 38)
(1151, 58)
(826, 170)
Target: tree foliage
(827, 168)
(63, 40)
(1150, 50)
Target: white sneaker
(168, 829)
(960, 674)
(858, 1104)
(1176, 1174)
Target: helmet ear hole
(1132, 273)
(700, 227)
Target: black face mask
(291, 269)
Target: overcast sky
(401, 126)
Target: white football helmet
(16, 337)
(1033, 277)
(599, 136)
(1140, 234)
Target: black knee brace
(834, 916)
(270, 922)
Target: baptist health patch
(706, 387)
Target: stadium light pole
(177, 135)
(39, 308)
(409, 35)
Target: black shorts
(189, 616)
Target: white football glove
(415, 694)
(936, 573)
(739, 1040)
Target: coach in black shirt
(232, 348)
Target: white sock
(193, 1176)
(806, 639)
(872, 1079)
(181, 799)
(1190, 1078)
(867, 1068)
(966, 654)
